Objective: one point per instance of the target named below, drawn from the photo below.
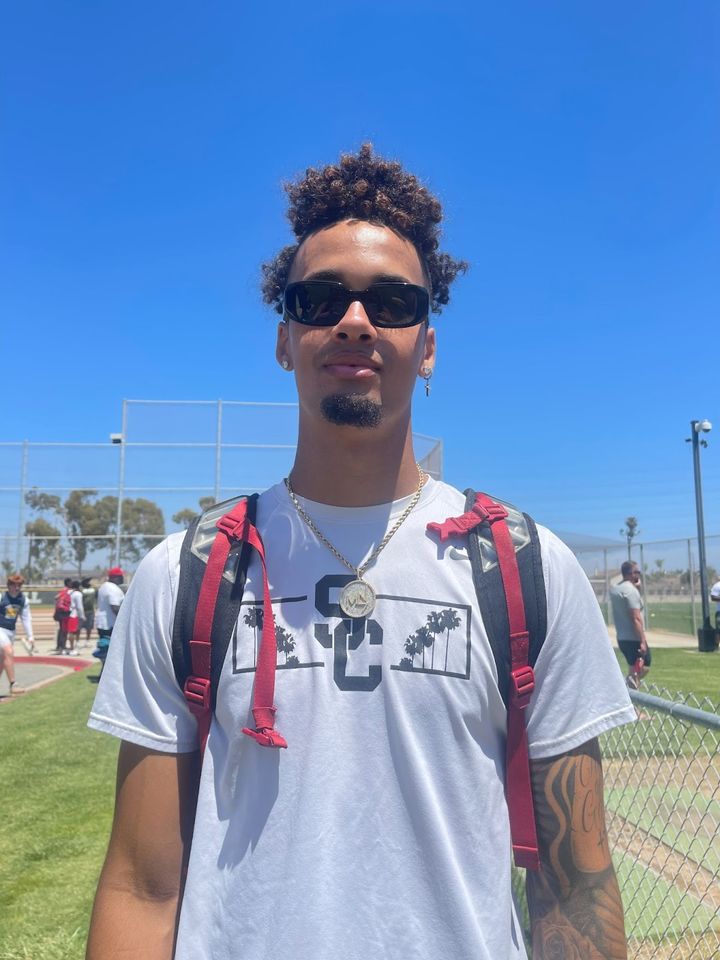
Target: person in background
(13, 604)
(77, 616)
(109, 600)
(627, 608)
(63, 605)
(89, 598)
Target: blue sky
(575, 148)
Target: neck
(354, 467)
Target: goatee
(351, 409)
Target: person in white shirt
(382, 831)
(109, 601)
(14, 605)
(77, 615)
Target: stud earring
(284, 364)
(427, 373)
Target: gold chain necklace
(357, 598)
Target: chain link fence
(662, 800)
(76, 508)
(671, 579)
(662, 795)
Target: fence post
(644, 585)
(21, 505)
(607, 586)
(218, 450)
(691, 571)
(121, 483)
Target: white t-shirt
(382, 831)
(715, 593)
(109, 595)
(76, 605)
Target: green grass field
(58, 783)
(686, 671)
(57, 787)
(671, 617)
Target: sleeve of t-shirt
(633, 600)
(579, 688)
(26, 618)
(138, 697)
(116, 595)
(715, 591)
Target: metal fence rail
(662, 795)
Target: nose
(355, 324)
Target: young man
(13, 604)
(89, 598)
(77, 615)
(63, 605)
(627, 608)
(109, 600)
(382, 831)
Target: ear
(429, 354)
(282, 346)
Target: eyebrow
(336, 275)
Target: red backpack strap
(233, 526)
(518, 786)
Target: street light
(706, 633)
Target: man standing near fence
(109, 601)
(382, 832)
(627, 608)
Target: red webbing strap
(518, 787)
(522, 683)
(236, 526)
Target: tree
(44, 548)
(144, 521)
(185, 517)
(91, 523)
(630, 531)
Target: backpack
(62, 605)
(504, 551)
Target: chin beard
(351, 409)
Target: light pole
(706, 633)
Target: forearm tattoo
(574, 901)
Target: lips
(351, 366)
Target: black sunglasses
(323, 303)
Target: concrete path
(43, 668)
(659, 638)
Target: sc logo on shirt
(347, 635)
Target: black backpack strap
(489, 587)
(193, 563)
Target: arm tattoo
(573, 899)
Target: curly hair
(364, 186)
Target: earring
(284, 364)
(427, 373)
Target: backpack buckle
(490, 512)
(197, 694)
(522, 680)
(459, 526)
(233, 527)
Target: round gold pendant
(357, 599)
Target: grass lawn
(58, 782)
(686, 671)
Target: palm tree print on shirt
(285, 643)
(438, 622)
(254, 619)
